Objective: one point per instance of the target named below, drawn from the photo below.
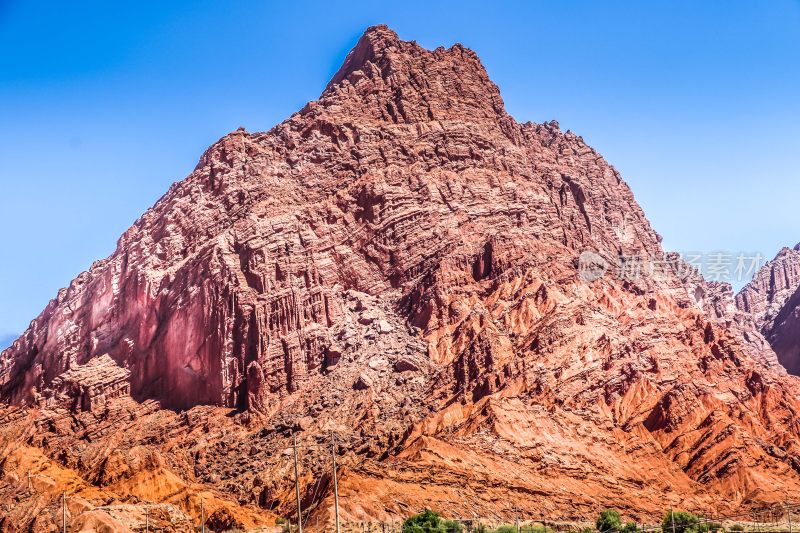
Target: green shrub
(683, 522)
(609, 520)
(533, 528)
(506, 529)
(430, 522)
(737, 527)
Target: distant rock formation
(773, 300)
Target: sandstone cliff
(401, 262)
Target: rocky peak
(401, 82)
(771, 287)
(375, 45)
(772, 299)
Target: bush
(609, 520)
(684, 522)
(506, 529)
(430, 522)
(737, 527)
(534, 528)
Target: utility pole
(335, 480)
(672, 518)
(30, 485)
(146, 519)
(789, 512)
(64, 510)
(202, 517)
(297, 485)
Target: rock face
(772, 298)
(784, 334)
(401, 262)
(771, 287)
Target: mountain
(772, 298)
(477, 307)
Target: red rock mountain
(467, 301)
(773, 299)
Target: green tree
(609, 520)
(430, 522)
(684, 522)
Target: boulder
(363, 382)
(405, 365)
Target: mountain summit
(402, 82)
(403, 263)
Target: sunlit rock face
(404, 263)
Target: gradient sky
(103, 105)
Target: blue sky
(103, 105)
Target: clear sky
(104, 104)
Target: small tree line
(609, 521)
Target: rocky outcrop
(403, 263)
(772, 299)
(783, 333)
(90, 386)
(765, 296)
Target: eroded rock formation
(773, 300)
(399, 262)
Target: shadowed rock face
(773, 300)
(784, 334)
(400, 262)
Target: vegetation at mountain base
(611, 521)
(429, 521)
